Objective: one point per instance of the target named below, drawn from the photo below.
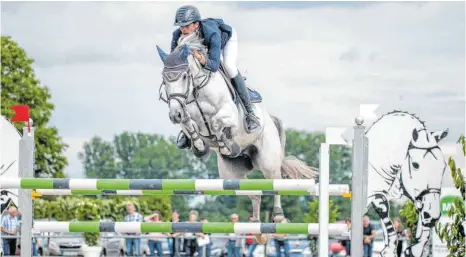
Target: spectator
(155, 240)
(234, 244)
(134, 241)
(190, 240)
(35, 243)
(251, 242)
(400, 235)
(281, 240)
(174, 243)
(369, 235)
(204, 242)
(10, 226)
(347, 242)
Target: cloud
(313, 64)
(351, 55)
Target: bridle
(428, 150)
(174, 73)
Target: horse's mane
(397, 112)
(193, 41)
(389, 173)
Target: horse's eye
(185, 76)
(416, 165)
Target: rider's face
(188, 29)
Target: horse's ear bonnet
(175, 65)
(162, 54)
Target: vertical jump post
(358, 186)
(26, 170)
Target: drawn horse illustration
(9, 145)
(405, 160)
(206, 107)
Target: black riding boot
(183, 141)
(251, 120)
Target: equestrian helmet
(186, 15)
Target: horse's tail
(292, 167)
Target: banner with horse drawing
(9, 154)
(405, 160)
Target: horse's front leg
(223, 124)
(200, 148)
(419, 249)
(382, 208)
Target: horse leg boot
(252, 122)
(183, 141)
(199, 146)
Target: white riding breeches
(230, 54)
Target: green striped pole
(336, 190)
(161, 184)
(190, 227)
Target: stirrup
(252, 119)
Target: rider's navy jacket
(216, 34)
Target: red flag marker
(21, 114)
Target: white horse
(405, 160)
(203, 103)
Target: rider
(221, 39)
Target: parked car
(114, 245)
(298, 248)
(70, 244)
(219, 247)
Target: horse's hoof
(201, 154)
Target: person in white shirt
(190, 242)
(156, 238)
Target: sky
(314, 63)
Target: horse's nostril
(426, 215)
(178, 116)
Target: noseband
(174, 73)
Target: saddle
(254, 96)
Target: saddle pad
(254, 96)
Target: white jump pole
(333, 136)
(324, 181)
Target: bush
(409, 218)
(453, 233)
(88, 210)
(313, 217)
